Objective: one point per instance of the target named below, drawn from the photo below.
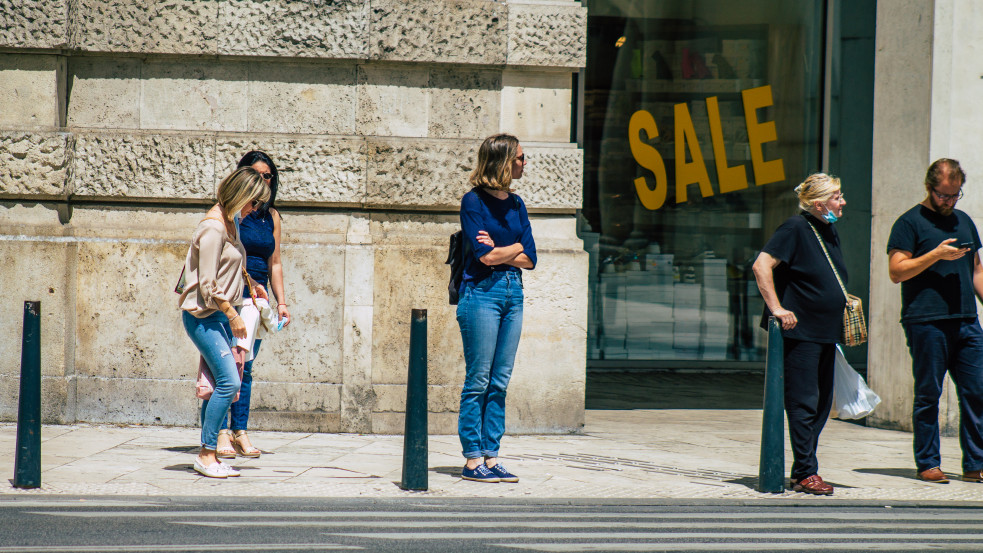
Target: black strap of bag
(455, 258)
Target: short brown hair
(941, 168)
(494, 167)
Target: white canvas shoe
(229, 470)
(214, 470)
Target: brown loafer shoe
(812, 484)
(934, 475)
(974, 476)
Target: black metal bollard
(27, 464)
(771, 467)
(415, 434)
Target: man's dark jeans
(956, 346)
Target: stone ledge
(132, 165)
(553, 36)
(144, 26)
(368, 172)
(443, 31)
(294, 28)
(33, 24)
(35, 164)
(457, 31)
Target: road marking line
(897, 514)
(566, 524)
(152, 548)
(732, 546)
(653, 536)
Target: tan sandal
(242, 445)
(225, 449)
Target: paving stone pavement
(629, 454)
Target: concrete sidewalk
(704, 454)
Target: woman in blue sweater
(499, 244)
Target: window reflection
(699, 118)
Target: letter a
(696, 170)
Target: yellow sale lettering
(694, 171)
(759, 132)
(730, 178)
(649, 158)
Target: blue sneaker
(502, 473)
(479, 474)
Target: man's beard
(940, 208)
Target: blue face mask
(830, 217)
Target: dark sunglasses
(256, 204)
(266, 176)
(521, 159)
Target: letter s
(649, 158)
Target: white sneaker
(228, 469)
(213, 470)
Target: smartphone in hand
(965, 245)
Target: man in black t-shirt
(932, 252)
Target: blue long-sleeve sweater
(506, 221)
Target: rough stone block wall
(121, 117)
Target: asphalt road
(78, 525)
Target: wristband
(279, 304)
(233, 318)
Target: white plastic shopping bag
(260, 319)
(852, 399)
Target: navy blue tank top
(256, 232)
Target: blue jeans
(212, 335)
(239, 412)
(489, 313)
(956, 346)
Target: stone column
(926, 106)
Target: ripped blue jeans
(212, 335)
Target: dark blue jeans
(490, 316)
(239, 412)
(956, 346)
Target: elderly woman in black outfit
(800, 290)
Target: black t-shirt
(804, 281)
(944, 290)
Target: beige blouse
(213, 270)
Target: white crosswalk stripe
(554, 529)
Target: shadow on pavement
(908, 473)
(665, 389)
(449, 471)
(182, 448)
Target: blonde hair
(494, 167)
(817, 187)
(239, 188)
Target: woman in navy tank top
(260, 234)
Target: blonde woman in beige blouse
(213, 290)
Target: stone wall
(927, 91)
(121, 118)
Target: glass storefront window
(699, 117)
